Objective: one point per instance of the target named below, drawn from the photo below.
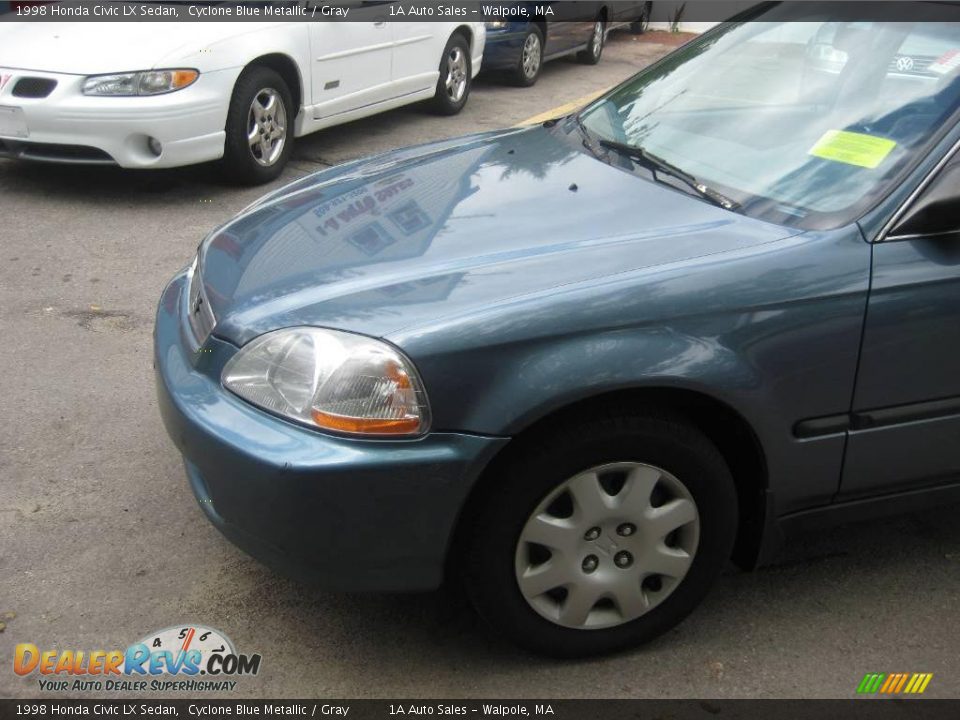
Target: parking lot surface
(101, 541)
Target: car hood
(405, 238)
(89, 48)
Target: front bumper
(68, 126)
(350, 514)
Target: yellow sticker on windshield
(852, 148)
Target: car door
(568, 27)
(905, 426)
(587, 13)
(418, 47)
(620, 12)
(559, 37)
(351, 61)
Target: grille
(34, 87)
(911, 65)
(53, 152)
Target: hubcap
(607, 546)
(456, 82)
(596, 41)
(531, 55)
(267, 127)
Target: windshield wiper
(659, 165)
(588, 141)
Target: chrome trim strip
(355, 51)
(880, 417)
(370, 48)
(912, 412)
(822, 426)
(411, 40)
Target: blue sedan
(583, 365)
(520, 47)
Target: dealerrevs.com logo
(185, 658)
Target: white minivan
(157, 95)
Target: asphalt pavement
(101, 541)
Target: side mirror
(936, 212)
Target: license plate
(12, 122)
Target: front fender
(552, 375)
(771, 332)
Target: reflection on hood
(404, 240)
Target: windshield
(801, 123)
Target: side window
(936, 211)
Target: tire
(594, 51)
(656, 450)
(456, 77)
(530, 61)
(246, 163)
(640, 25)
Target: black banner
(450, 11)
(854, 709)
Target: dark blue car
(583, 365)
(520, 47)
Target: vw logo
(904, 63)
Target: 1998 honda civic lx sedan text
(583, 365)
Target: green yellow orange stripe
(894, 683)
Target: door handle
(380, 23)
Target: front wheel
(528, 67)
(453, 85)
(259, 129)
(601, 535)
(591, 56)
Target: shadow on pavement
(388, 627)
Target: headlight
(496, 24)
(331, 380)
(148, 82)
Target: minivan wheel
(453, 85)
(259, 129)
(601, 534)
(530, 63)
(641, 24)
(591, 56)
